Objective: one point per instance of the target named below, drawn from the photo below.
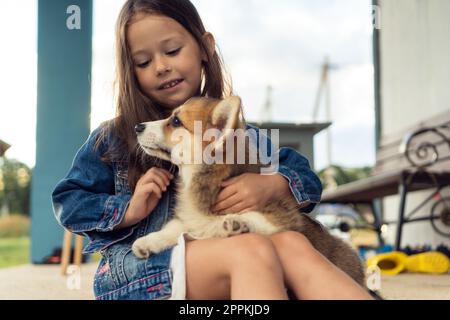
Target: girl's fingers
(152, 188)
(225, 205)
(237, 208)
(159, 179)
(166, 173)
(225, 194)
(155, 175)
(229, 181)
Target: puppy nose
(139, 128)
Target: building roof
(314, 127)
(3, 147)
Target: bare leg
(309, 274)
(240, 267)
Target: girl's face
(167, 59)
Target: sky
(263, 42)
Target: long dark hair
(133, 106)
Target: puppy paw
(233, 226)
(141, 249)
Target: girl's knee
(254, 248)
(292, 243)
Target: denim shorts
(122, 276)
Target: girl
(113, 195)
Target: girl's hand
(250, 191)
(148, 192)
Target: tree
(15, 180)
(336, 175)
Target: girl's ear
(210, 42)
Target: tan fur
(199, 185)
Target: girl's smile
(168, 86)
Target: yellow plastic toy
(429, 262)
(392, 263)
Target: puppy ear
(226, 117)
(225, 114)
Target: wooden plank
(78, 252)
(382, 185)
(433, 121)
(387, 159)
(393, 147)
(363, 190)
(392, 164)
(65, 254)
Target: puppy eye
(176, 122)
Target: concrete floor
(45, 282)
(411, 286)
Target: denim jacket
(93, 197)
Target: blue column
(63, 107)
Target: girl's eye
(143, 65)
(176, 122)
(173, 52)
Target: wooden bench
(66, 251)
(415, 159)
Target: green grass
(14, 251)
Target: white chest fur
(197, 224)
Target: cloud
(283, 44)
(350, 147)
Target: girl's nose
(162, 66)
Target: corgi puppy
(180, 139)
